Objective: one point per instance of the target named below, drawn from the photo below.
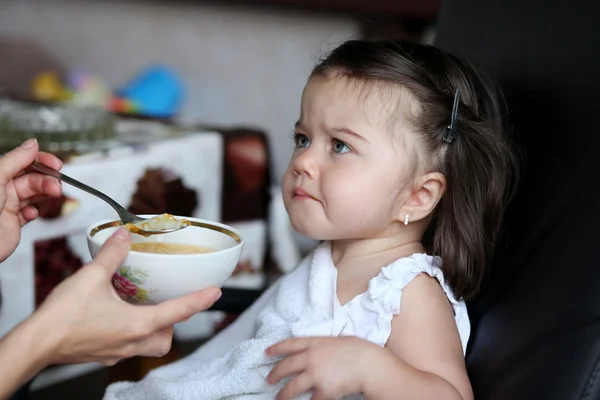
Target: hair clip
(451, 131)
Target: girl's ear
(426, 195)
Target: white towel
(303, 304)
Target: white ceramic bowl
(149, 278)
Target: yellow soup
(169, 248)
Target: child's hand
(332, 367)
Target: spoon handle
(125, 215)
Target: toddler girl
(401, 168)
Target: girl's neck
(395, 246)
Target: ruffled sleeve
(384, 296)
(386, 288)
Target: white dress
(303, 303)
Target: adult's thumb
(17, 160)
(180, 309)
(114, 251)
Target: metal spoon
(125, 216)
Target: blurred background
(182, 106)
(240, 62)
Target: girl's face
(348, 176)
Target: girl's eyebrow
(349, 132)
(298, 125)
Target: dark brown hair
(480, 166)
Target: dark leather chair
(536, 325)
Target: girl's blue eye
(340, 147)
(301, 140)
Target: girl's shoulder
(395, 277)
(384, 295)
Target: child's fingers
(290, 346)
(288, 366)
(300, 384)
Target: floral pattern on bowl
(127, 282)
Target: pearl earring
(406, 219)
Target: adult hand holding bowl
(171, 265)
